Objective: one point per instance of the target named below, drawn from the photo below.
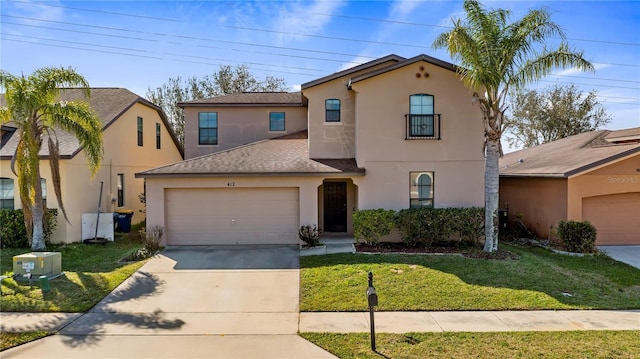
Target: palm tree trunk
(491, 186)
(37, 213)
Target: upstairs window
(421, 115)
(6, 193)
(207, 128)
(276, 121)
(158, 132)
(140, 126)
(421, 189)
(332, 110)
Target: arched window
(421, 189)
(6, 193)
(421, 115)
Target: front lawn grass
(539, 279)
(548, 345)
(91, 271)
(10, 340)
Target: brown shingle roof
(250, 99)
(568, 156)
(286, 156)
(108, 103)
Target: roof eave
(351, 70)
(251, 174)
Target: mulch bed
(441, 248)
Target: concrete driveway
(193, 302)
(625, 254)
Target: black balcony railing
(422, 127)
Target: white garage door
(211, 216)
(616, 217)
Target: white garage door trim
(616, 217)
(223, 216)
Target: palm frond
(79, 119)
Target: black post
(371, 292)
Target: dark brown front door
(335, 206)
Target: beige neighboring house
(136, 137)
(391, 133)
(593, 176)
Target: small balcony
(422, 127)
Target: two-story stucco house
(391, 133)
(136, 137)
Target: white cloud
(574, 71)
(304, 17)
(403, 8)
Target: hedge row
(13, 233)
(420, 226)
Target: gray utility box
(38, 263)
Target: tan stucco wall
(541, 201)
(308, 187)
(121, 155)
(239, 126)
(386, 184)
(333, 139)
(456, 160)
(622, 176)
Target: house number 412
(231, 184)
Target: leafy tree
(33, 104)
(557, 112)
(496, 55)
(226, 80)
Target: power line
(229, 42)
(162, 58)
(96, 11)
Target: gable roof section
(407, 62)
(569, 156)
(108, 103)
(285, 99)
(366, 65)
(283, 156)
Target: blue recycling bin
(122, 220)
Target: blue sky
(140, 44)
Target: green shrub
(469, 222)
(370, 225)
(579, 237)
(309, 235)
(13, 233)
(426, 226)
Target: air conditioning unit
(37, 264)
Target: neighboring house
(136, 137)
(391, 133)
(593, 176)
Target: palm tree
(34, 107)
(495, 56)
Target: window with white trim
(421, 189)
(332, 110)
(6, 193)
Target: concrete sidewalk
(465, 321)
(398, 322)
